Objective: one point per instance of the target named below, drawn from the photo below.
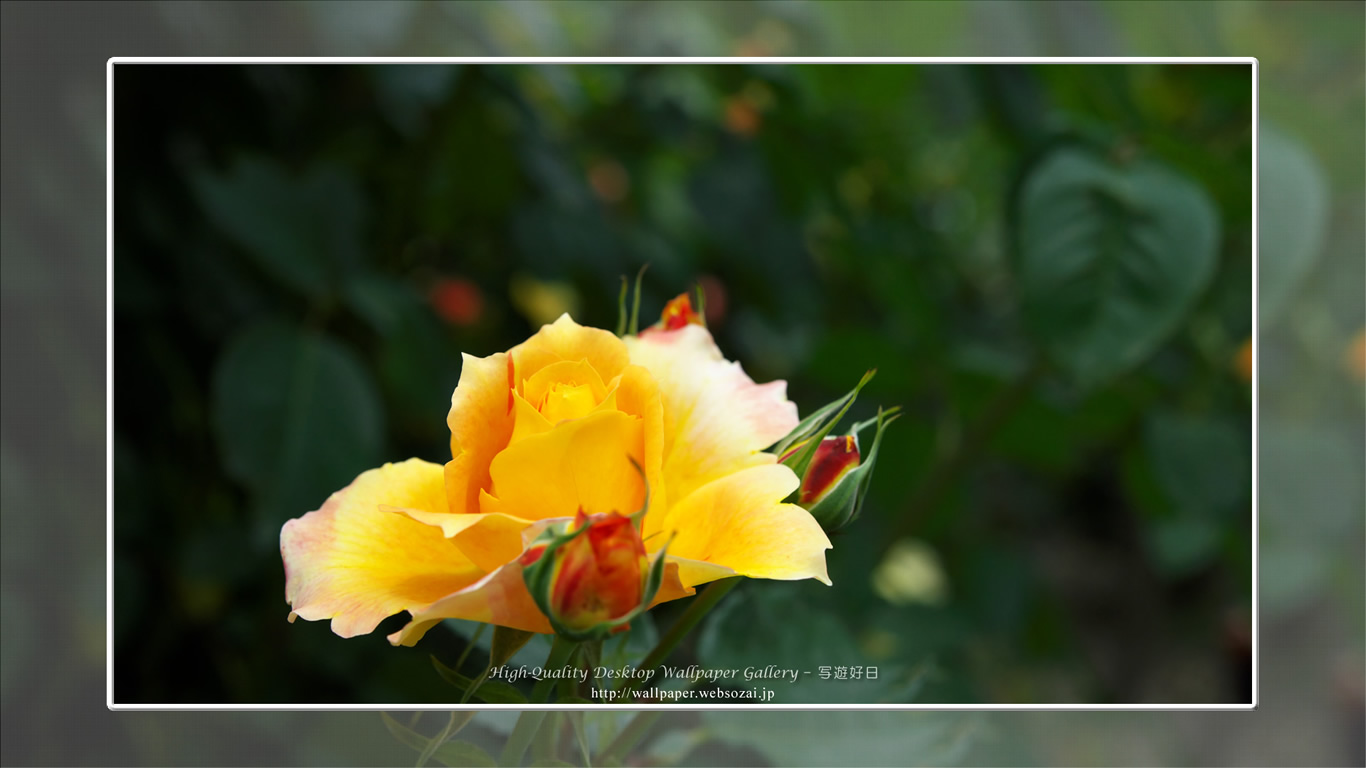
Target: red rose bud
(835, 476)
(678, 313)
(594, 578)
(835, 457)
(600, 574)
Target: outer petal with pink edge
(502, 598)
(716, 419)
(357, 561)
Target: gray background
(52, 264)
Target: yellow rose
(538, 433)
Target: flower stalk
(698, 608)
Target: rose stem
(560, 652)
(629, 737)
(528, 723)
(696, 610)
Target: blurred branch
(947, 468)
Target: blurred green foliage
(1049, 266)
(200, 606)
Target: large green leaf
(1203, 464)
(1203, 468)
(844, 737)
(1310, 498)
(302, 230)
(754, 629)
(296, 416)
(1110, 258)
(1293, 210)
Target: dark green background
(1074, 456)
(52, 438)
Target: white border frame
(109, 373)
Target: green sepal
(621, 309)
(809, 432)
(631, 327)
(540, 580)
(842, 504)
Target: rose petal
(695, 572)
(740, 522)
(500, 598)
(583, 463)
(488, 540)
(480, 421)
(637, 393)
(565, 339)
(357, 564)
(716, 419)
(535, 387)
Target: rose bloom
(538, 433)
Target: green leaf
(803, 440)
(844, 737)
(1293, 212)
(453, 753)
(1110, 258)
(1202, 464)
(529, 655)
(379, 300)
(490, 691)
(465, 755)
(302, 230)
(754, 628)
(1183, 545)
(813, 422)
(296, 417)
(457, 722)
(506, 643)
(1310, 496)
(528, 724)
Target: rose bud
(834, 475)
(835, 457)
(835, 480)
(594, 578)
(677, 314)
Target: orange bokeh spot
(609, 180)
(1242, 361)
(457, 301)
(742, 118)
(1355, 357)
